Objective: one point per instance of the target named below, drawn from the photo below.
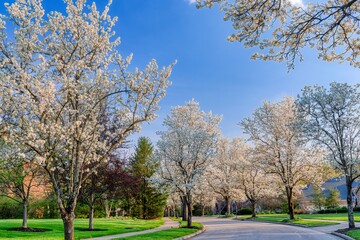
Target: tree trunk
(289, 195)
(108, 208)
(253, 208)
(91, 217)
(349, 201)
(24, 222)
(91, 210)
(203, 210)
(176, 213)
(189, 209)
(68, 221)
(227, 199)
(143, 200)
(184, 209)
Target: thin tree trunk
(349, 201)
(203, 210)
(68, 221)
(91, 217)
(108, 208)
(91, 210)
(253, 208)
(24, 222)
(143, 200)
(289, 195)
(176, 212)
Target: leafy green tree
(150, 201)
(332, 201)
(318, 198)
(17, 178)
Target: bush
(82, 210)
(44, 208)
(10, 208)
(245, 211)
(356, 209)
(335, 210)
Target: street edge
(343, 236)
(192, 235)
(280, 223)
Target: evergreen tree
(150, 201)
(332, 201)
(318, 198)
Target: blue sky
(218, 74)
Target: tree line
(69, 100)
(290, 144)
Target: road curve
(229, 229)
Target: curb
(192, 235)
(280, 223)
(343, 236)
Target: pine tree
(332, 201)
(150, 201)
(318, 198)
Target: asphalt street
(225, 228)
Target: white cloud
(298, 3)
(191, 1)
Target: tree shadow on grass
(91, 230)
(29, 229)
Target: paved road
(228, 229)
(167, 224)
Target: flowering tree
(329, 26)
(66, 94)
(204, 196)
(254, 181)
(186, 147)
(223, 172)
(282, 150)
(333, 120)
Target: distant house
(336, 183)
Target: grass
(163, 235)
(331, 216)
(354, 234)
(183, 224)
(327, 216)
(226, 216)
(103, 227)
(168, 233)
(297, 221)
(310, 220)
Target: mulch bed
(29, 229)
(345, 230)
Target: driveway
(225, 228)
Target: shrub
(10, 208)
(44, 208)
(336, 210)
(245, 211)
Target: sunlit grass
(55, 227)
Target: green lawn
(331, 216)
(354, 234)
(183, 224)
(328, 216)
(168, 234)
(298, 221)
(104, 227)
